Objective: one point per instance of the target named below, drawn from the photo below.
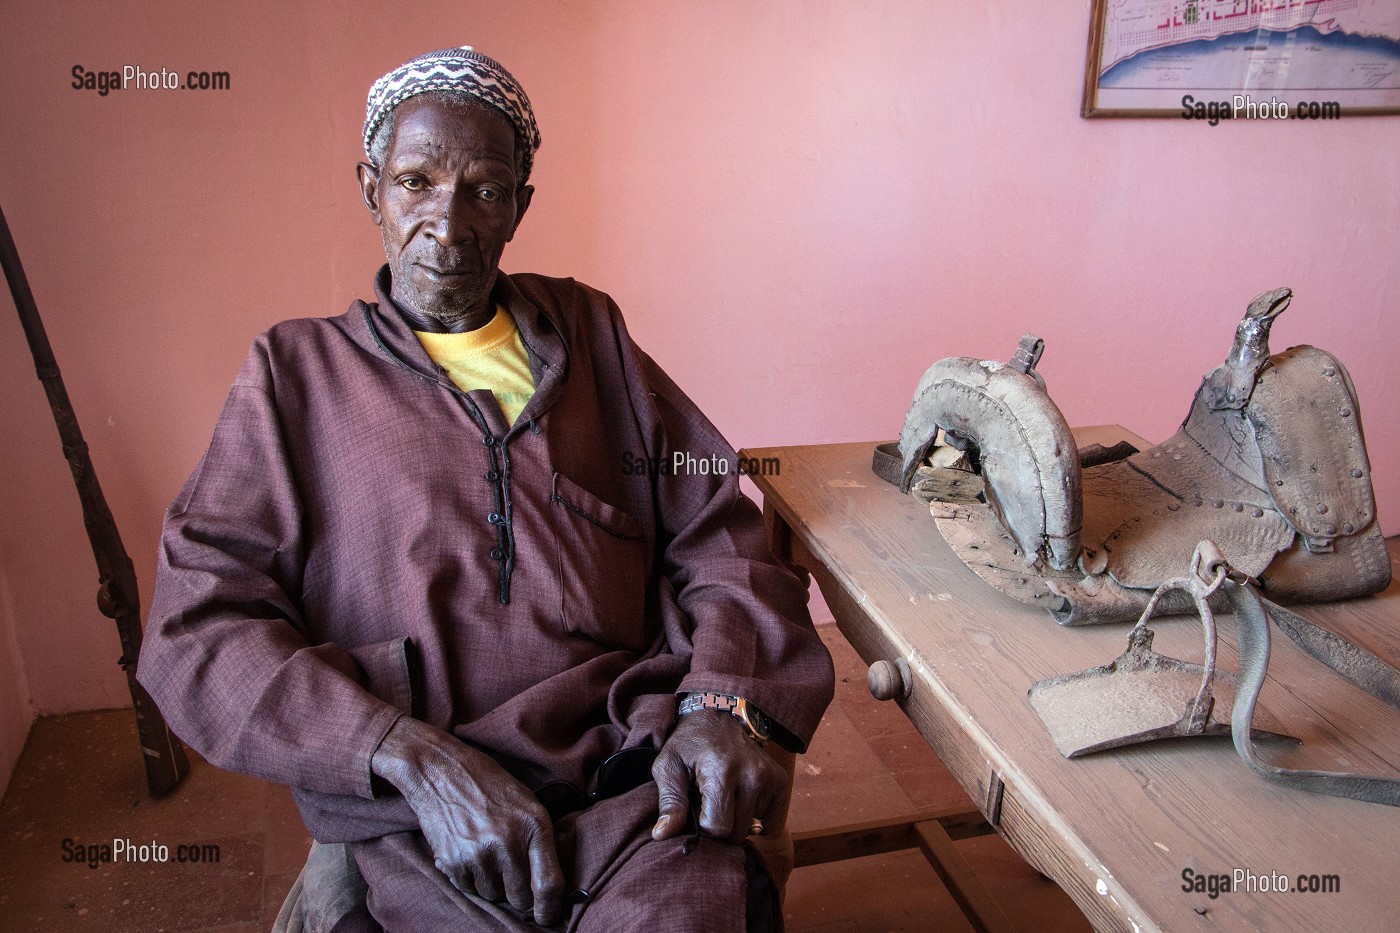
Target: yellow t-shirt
(490, 357)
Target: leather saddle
(1270, 464)
(1267, 475)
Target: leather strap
(1356, 664)
(1353, 662)
(887, 463)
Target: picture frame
(1231, 59)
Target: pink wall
(800, 206)
(16, 711)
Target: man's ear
(369, 188)
(523, 194)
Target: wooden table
(1116, 830)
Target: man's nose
(451, 222)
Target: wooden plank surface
(1116, 830)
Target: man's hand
(738, 781)
(488, 833)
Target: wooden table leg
(931, 832)
(976, 904)
(780, 542)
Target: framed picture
(1233, 59)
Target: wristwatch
(758, 725)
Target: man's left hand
(738, 781)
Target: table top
(1125, 831)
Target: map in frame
(1146, 56)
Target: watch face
(756, 721)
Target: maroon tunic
(362, 540)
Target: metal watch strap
(738, 707)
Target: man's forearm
(418, 759)
(393, 760)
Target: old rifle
(117, 597)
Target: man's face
(447, 200)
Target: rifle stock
(117, 595)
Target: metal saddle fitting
(1027, 356)
(1122, 704)
(1143, 695)
(1270, 463)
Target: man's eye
(413, 183)
(489, 194)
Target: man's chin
(447, 305)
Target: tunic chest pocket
(602, 567)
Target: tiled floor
(79, 780)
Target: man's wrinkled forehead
(464, 71)
(428, 130)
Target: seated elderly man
(413, 579)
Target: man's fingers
(717, 802)
(458, 875)
(518, 886)
(673, 789)
(486, 878)
(745, 811)
(546, 880)
(765, 805)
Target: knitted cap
(463, 70)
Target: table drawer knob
(889, 680)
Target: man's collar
(546, 341)
(393, 332)
(540, 330)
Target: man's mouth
(446, 272)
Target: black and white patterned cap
(462, 69)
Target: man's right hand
(488, 833)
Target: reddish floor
(868, 763)
(79, 780)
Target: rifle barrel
(117, 596)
